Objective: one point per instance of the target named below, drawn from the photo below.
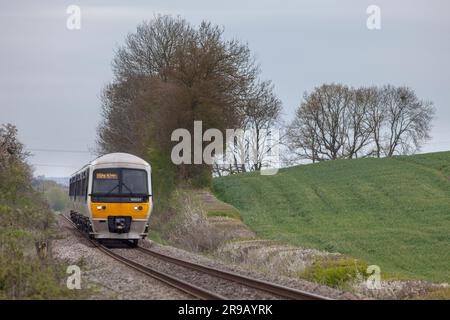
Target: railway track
(278, 290)
(179, 284)
(195, 290)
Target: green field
(393, 212)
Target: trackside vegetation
(393, 212)
(26, 221)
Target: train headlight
(101, 207)
(138, 208)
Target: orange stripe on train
(119, 209)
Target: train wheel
(134, 243)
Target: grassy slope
(391, 212)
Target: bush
(27, 277)
(57, 198)
(163, 178)
(202, 176)
(336, 273)
(25, 219)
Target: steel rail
(167, 279)
(272, 288)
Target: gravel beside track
(103, 276)
(299, 284)
(226, 288)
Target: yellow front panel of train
(104, 210)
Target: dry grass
(190, 227)
(442, 293)
(268, 256)
(197, 221)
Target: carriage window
(86, 179)
(134, 181)
(78, 187)
(83, 186)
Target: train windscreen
(134, 181)
(106, 181)
(120, 182)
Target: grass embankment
(216, 208)
(392, 212)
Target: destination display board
(106, 176)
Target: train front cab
(120, 202)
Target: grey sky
(51, 78)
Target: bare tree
(375, 118)
(151, 50)
(320, 129)
(335, 121)
(260, 115)
(358, 130)
(262, 111)
(303, 140)
(408, 120)
(121, 126)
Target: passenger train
(111, 197)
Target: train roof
(118, 157)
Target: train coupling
(119, 224)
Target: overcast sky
(51, 77)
